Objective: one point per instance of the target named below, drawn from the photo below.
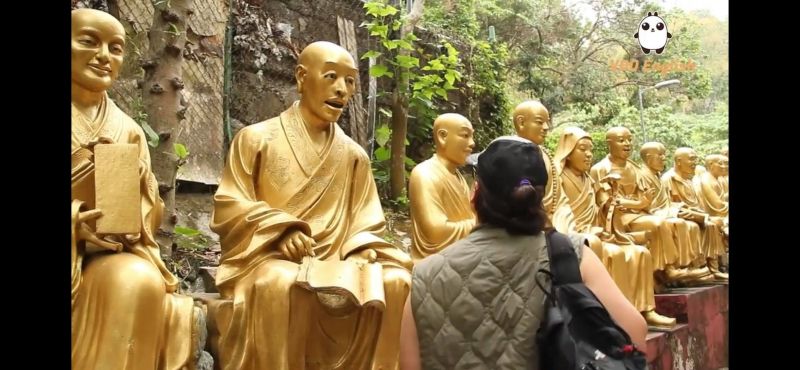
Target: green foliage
(547, 50)
(181, 151)
(421, 79)
(188, 238)
(381, 157)
(140, 116)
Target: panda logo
(652, 33)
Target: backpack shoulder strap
(563, 261)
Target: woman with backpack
(476, 304)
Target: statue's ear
(518, 121)
(300, 73)
(441, 136)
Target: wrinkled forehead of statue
(531, 110)
(618, 132)
(451, 122)
(321, 53)
(98, 20)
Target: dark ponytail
(520, 212)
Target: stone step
(700, 341)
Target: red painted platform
(700, 342)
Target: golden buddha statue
(713, 194)
(441, 212)
(631, 203)
(296, 192)
(122, 293)
(532, 122)
(687, 232)
(723, 180)
(633, 274)
(679, 183)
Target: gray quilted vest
(476, 304)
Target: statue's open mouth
(335, 104)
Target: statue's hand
(295, 245)
(649, 195)
(688, 214)
(100, 140)
(363, 256)
(86, 233)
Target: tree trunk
(397, 162)
(161, 94)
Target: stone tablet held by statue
(117, 193)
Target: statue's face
(456, 140)
(535, 125)
(685, 163)
(655, 159)
(327, 82)
(620, 142)
(98, 46)
(581, 157)
(718, 168)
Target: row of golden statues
(305, 278)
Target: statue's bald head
(320, 52)
(453, 137)
(685, 161)
(449, 121)
(651, 147)
(85, 16)
(684, 152)
(530, 108)
(653, 155)
(326, 76)
(716, 164)
(713, 158)
(616, 132)
(532, 121)
(98, 48)
(619, 140)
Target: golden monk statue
(297, 195)
(711, 190)
(441, 212)
(532, 122)
(634, 273)
(631, 202)
(687, 232)
(724, 179)
(679, 184)
(125, 314)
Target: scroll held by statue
(361, 283)
(117, 188)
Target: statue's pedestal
(700, 341)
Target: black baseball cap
(507, 162)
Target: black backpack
(577, 332)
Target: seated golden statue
(294, 187)
(688, 232)
(125, 314)
(532, 122)
(441, 212)
(711, 191)
(633, 273)
(631, 202)
(723, 180)
(679, 184)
